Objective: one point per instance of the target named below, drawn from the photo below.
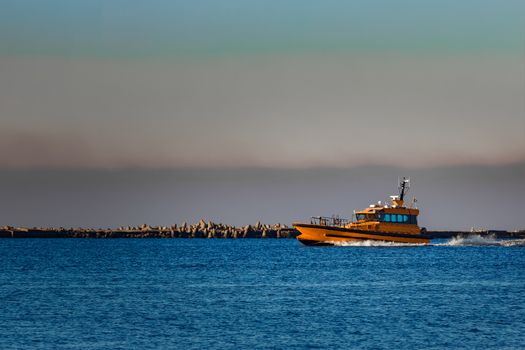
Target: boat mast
(403, 188)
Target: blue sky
(127, 29)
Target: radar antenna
(404, 185)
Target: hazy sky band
(138, 29)
(271, 111)
(287, 84)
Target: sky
(142, 87)
(449, 198)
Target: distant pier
(201, 229)
(204, 229)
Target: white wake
(474, 240)
(373, 243)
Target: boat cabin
(395, 213)
(404, 216)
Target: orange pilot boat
(391, 223)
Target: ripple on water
(149, 294)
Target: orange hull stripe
(324, 235)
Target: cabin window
(398, 218)
(360, 217)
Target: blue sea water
(258, 294)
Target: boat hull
(321, 235)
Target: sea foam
(373, 243)
(473, 240)
(480, 241)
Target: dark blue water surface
(248, 294)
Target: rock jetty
(202, 229)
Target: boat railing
(329, 221)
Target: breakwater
(204, 229)
(201, 229)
